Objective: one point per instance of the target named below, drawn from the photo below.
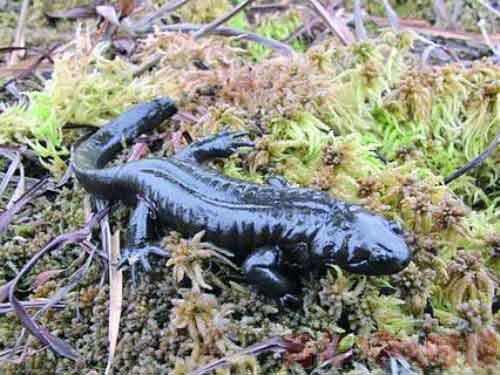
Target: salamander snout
(373, 245)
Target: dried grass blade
(359, 26)
(213, 25)
(441, 11)
(55, 344)
(19, 38)
(147, 22)
(15, 161)
(7, 215)
(74, 281)
(7, 307)
(115, 298)
(333, 23)
(392, 16)
(275, 344)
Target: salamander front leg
(221, 145)
(264, 269)
(140, 234)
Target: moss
(204, 11)
(278, 28)
(361, 123)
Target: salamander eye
(396, 227)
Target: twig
(489, 7)
(213, 25)
(332, 23)
(21, 24)
(476, 161)
(425, 28)
(24, 73)
(392, 16)
(152, 62)
(268, 8)
(359, 27)
(279, 47)
(167, 8)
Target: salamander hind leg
(264, 270)
(140, 236)
(221, 145)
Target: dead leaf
(126, 7)
(43, 277)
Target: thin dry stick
(345, 39)
(392, 16)
(359, 27)
(441, 12)
(489, 7)
(279, 47)
(151, 63)
(476, 161)
(167, 8)
(493, 48)
(15, 159)
(457, 11)
(213, 25)
(21, 25)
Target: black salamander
(276, 232)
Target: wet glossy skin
(274, 230)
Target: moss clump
(186, 258)
(278, 28)
(359, 122)
(204, 11)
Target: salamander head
(364, 243)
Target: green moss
(361, 123)
(278, 28)
(204, 11)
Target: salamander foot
(133, 255)
(290, 301)
(221, 145)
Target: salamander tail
(102, 146)
(90, 157)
